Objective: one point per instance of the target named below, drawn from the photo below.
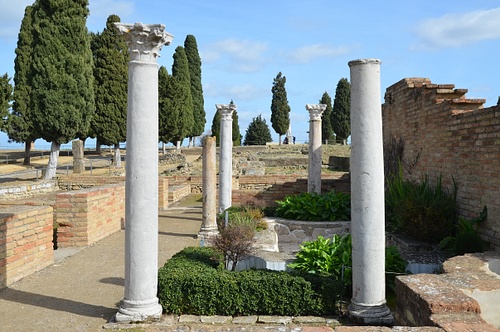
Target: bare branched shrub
(235, 241)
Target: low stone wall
(88, 215)
(452, 300)
(27, 189)
(177, 192)
(25, 241)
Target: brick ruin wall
(445, 133)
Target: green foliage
(110, 53)
(5, 99)
(194, 62)
(192, 282)
(61, 79)
(341, 116)
(216, 127)
(330, 206)
(257, 132)
(243, 215)
(280, 109)
(236, 129)
(334, 257)
(423, 211)
(163, 103)
(466, 238)
(326, 122)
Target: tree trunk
(279, 139)
(117, 159)
(50, 172)
(163, 148)
(97, 147)
(27, 153)
(178, 146)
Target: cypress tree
(110, 54)
(163, 113)
(19, 124)
(280, 117)
(326, 124)
(5, 99)
(341, 116)
(62, 102)
(216, 127)
(194, 62)
(236, 130)
(179, 102)
(257, 132)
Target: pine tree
(179, 103)
(280, 117)
(258, 132)
(341, 116)
(235, 128)
(326, 124)
(194, 62)
(61, 79)
(5, 99)
(216, 127)
(110, 53)
(19, 124)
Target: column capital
(315, 111)
(226, 110)
(144, 40)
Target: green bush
(243, 215)
(192, 282)
(423, 211)
(334, 257)
(331, 206)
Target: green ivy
(330, 206)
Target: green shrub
(334, 257)
(243, 215)
(331, 206)
(192, 282)
(466, 238)
(423, 211)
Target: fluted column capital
(144, 40)
(315, 111)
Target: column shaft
(315, 151)
(209, 174)
(226, 156)
(368, 303)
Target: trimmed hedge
(194, 282)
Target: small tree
(235, 243)
(326, 124)
(280, 110)
(341, 116)
(5, 99)
(257, 132)
(236, 130)
(216, 127)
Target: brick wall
(88, 215)
(25, 241)
(447, 134)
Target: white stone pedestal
(368, 304)
(141, 182)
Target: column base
(378, 315)
(206, 236)
(138, 311)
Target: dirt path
(82, 292)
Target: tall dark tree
(194, 62)
(216, 127)
(20, 124)
(110, 54)
(163, 102)
(61, 79)
(280, 110)
(5, 100)
(341, 116)
(179, 103)
(236, 129)
(258, 132)
(326, 123)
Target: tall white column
(226, 155)
(315, 159)
(141, 182)
(209, 174)
(368, 304)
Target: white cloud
(455, 30)
(11, 15)
(234, 92)
(236, 55)
(308, 53)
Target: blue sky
(244, 44)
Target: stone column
(368, 304)
(226, 155)
(141, 182)
(78, 156)
(209, 174)
(315, 160)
